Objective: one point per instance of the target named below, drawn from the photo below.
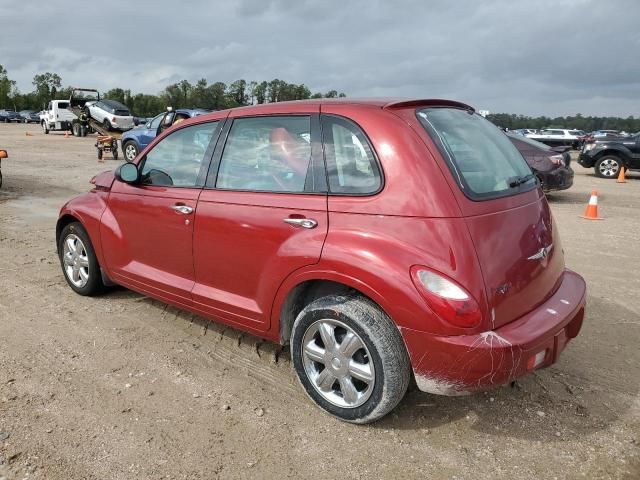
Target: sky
(531, 57)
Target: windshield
(480, 156)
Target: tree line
(183, 94)
(579, 122)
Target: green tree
(46, 86)
(8, 90)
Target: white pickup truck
(57, 117)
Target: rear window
(480, 156)
(122, 112)
(63, 104)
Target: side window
(351, 164)
(156, 122)
(269, 154)
(176, 159)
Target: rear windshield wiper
(517, 181)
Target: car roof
(381, 103)
(114, 103)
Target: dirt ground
(124, 387)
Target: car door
(150, 130)
(261, 216)
(147, 228)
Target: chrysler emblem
(542, 253)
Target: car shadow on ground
(578, 396)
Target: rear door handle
(183, 209)
(301, 222)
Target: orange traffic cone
(591, 213)
(621, 175)
(28, 134)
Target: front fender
(87, 209)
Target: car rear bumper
(559, 179)
(459, 365)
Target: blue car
(134, 141)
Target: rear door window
(266, 154)
(480, 156)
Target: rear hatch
(507, 215)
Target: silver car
(113, 115)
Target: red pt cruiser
(379, 239)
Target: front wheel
(130, 151)
(350, 358)
(608, 166)
(45, 129)
(78, 260)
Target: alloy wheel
(338, 363)
(130, 152)
(609, 167)
(76, 261)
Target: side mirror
(128, 173)
(4, 154)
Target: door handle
(301, 222)
(183, 209)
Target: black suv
(606, 156)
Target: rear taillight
(113, 119)
(447, 299)
(556, 159)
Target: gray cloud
(544, 57)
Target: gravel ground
(123, 387)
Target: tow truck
(79, 103)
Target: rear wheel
(114, 152)
(78, 260)
(99, 154)
(75, 129)
(107, 125)
(350, 358)
(130, 151)
(608, 166)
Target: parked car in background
(550, 164)
(378, 239)
(137, 139)
(111, 114)
(8, 116)
(558, 136)
(607, 155)
(29, 116)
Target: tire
(107, 125)
(114, 152)
(75, 129)
(88, 279)
(99, 154)
(130, 150)
(0, 179)
(375, 345)
(45, 129)
(608, 166)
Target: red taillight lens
(113, 119)
(556, 159)
(447, 299)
